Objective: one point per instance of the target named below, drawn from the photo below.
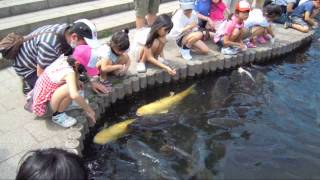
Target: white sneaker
(185, 53)
(228, 51)
(141, 67)
(64, 120)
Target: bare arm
(74, 94)
(307, 17)
(39, 70)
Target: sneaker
(141, 67)
(287, 25)
(229, 51)
(64, 120)
(250, 45)
(261, 40)
(185, 53)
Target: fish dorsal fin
(172, 93)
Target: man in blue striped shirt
(47, 44)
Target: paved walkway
(19, 132)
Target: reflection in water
(233, 128)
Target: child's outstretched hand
(172, 72)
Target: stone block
(135, 84)
(79, 127)
(227, 61)
(206, 66)
(83, 120)
(240, 59)
(77, 135)
(120, 90)
(143, 80)
(213, 65)
(192, 68)
(73, 144)
(220, 62)
(252, 56)
(166, 78)
(198, 67)
(183, 72)
(127, 85)
(151, 78)
(159, 77)
(246, 57)
(5, 12)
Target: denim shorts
(299, 20)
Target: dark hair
(120, 40)
(161, 21)
(71, 29)
(72, 62)
(272, 10)
(51, 164)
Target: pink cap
(243, 6)
(82, 54)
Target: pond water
(231, 128)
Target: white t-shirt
(59, 69)
(180, 21)
(139, 40)
(256, 18)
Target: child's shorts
(298, 20)
(180, 38)
(143, 7)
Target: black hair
(72, 62)
(51, 164)
(272, 10)
(71, 29)
(120, 40)
(161, 21)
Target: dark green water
(232, 128)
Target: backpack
(10, 45)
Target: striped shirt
(41, 50)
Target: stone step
(25, 23)
(12, 8)
(126, 19)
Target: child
(109, 58)
(258, 24)
(234, 30)
(51, 164)
(217, 12)
(54, 90)
(185, 30)
(150, 42)
(302, 16)
(202, 7)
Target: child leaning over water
(302, 18)
(149, 44)
(232, 32)
(108, 58)
(259, 22)
(185, 30)
(54, 90)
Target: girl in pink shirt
(231, 39)
(217, 11)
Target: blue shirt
(301, 9)
(203, 7)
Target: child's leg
(60, 99)
(300, 28)
(298, 24)
(235, 35)
(193, 40)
